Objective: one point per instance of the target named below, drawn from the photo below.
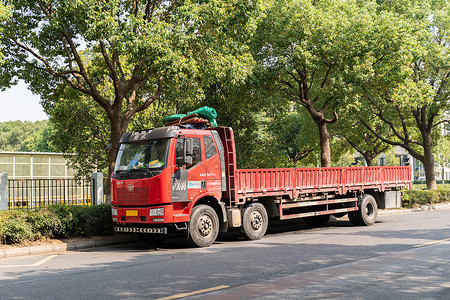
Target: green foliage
(25, 136)
(415, 198)
(408, 89)
(83, 220)
(14, 227)
(18, 226)
(99, 63)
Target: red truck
(171, 180)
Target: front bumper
(162, 230)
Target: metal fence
(35, 193)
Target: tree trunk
(369, 157)
(428, 162)
(116, 133)
(325, 151)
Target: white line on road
(194, 293)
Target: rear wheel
(204, 226)
(317, 221)
(254, 221)
(352, 218)
(367, 211)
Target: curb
(70, 246)
(415, 209)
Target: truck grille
(138, 197)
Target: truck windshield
(143, 155)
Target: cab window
(197, 154)
(210, 148)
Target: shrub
(18, 226)
(15, 228)
(84, 220)
(414, 198)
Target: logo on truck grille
(130, 187)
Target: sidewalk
(55, 246)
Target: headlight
(114, 211)
(156, 212)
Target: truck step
(320, 202)
(317, 213)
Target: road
(403, 256)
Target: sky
(18, 103)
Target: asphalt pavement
(103, 241)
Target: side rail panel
(265, 182)
(292, 182)
(313, 180)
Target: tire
(367, 211)
(254, 221)
(204, 226)
(152, 239)
(339, 215)
(352, 218)
(317, 221)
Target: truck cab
(161, 174)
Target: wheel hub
(369, 210)
(205, 225)
(256, 220)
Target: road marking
(194, 292)
(36, 264)
(44, 260)
(431, 243)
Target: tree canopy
(25, 136)
(370, 74)
(409, 90)
(125, 55)
(319, 51)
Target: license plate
(132, 213)
(141, 230)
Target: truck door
(212, 166)
(196, 184)
(187, 183)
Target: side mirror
(189, 147)
(184, 156)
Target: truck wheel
(367, 211)
(204, 226)
(352, 218)
(254, 221)
(317, 221)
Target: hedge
(56, 221)
(415, 198)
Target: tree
(413, 104)
(125, 55)
(359, 137)
(318, 52)
(24, 136)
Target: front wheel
(254, 221)
(204, 226)
(367, 212)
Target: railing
(35, 193)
